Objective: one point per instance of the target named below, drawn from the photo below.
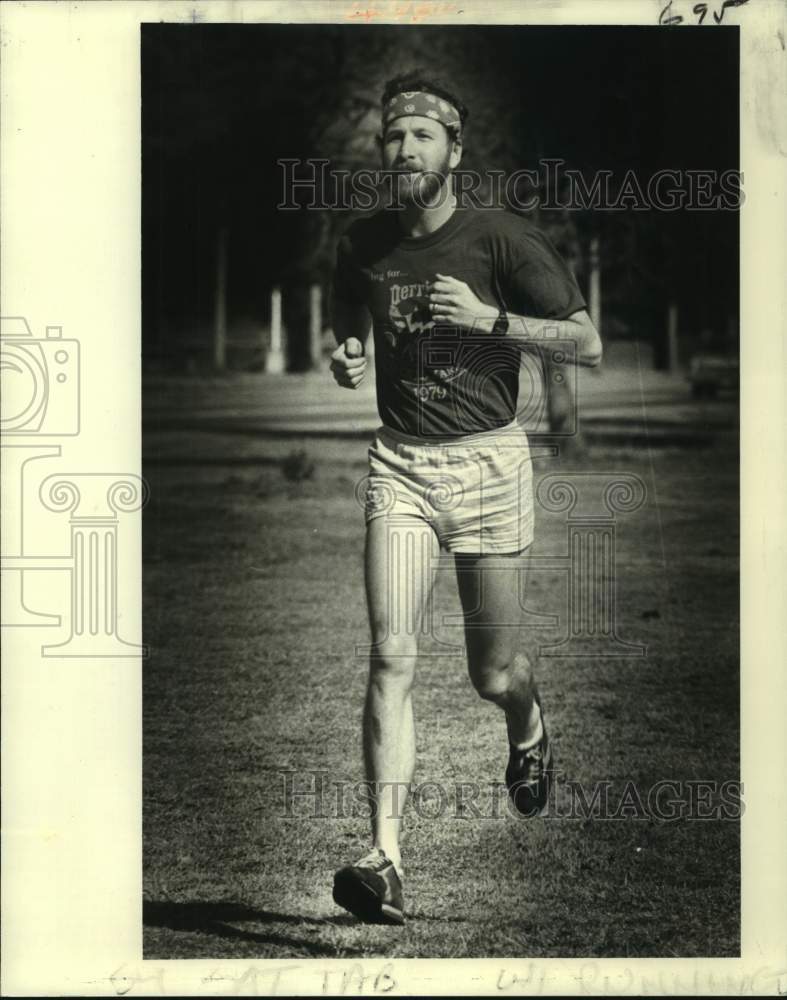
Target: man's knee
(392, 661)
(493, 675)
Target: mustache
(424, 171)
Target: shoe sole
(363, 902)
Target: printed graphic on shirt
(409, 320)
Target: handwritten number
(667, 17)
(729, 3)
(700, 9)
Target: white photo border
(71, 729)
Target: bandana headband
(417, 102)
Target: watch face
(501, 324)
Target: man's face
(414, 145)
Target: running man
(452, 295)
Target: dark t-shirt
(434, 379)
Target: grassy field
(253, 606)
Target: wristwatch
(500, 327)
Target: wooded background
(221, 104)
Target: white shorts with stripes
(476, 491)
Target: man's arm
(452, 301)
(578, 328)
(351, 325)
(350, 320)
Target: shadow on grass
(217, 918)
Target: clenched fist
(348, 364)
(453, 301)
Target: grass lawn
(254, 603)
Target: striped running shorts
(476, 491)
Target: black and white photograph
(399, 489)
(440, 377)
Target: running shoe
(529, 774)
(370, 889)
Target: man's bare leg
(401, 560)
(489, 588)
(502, 673)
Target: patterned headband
(417, 102)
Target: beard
(423, 187)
